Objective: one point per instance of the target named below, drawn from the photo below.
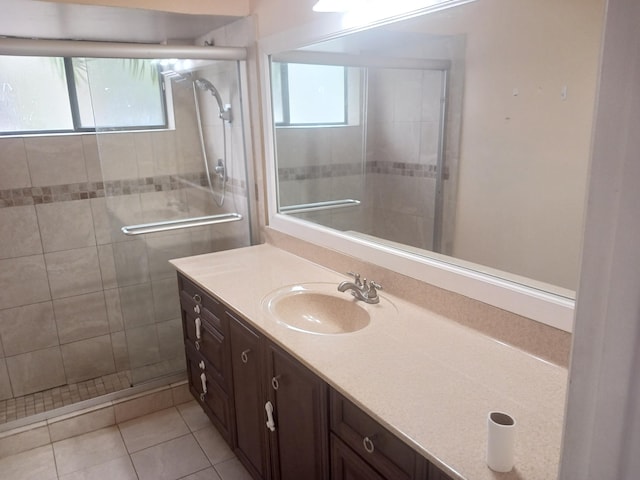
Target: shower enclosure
(109, 316)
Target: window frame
(286, 114)
(75, 109)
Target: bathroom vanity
(404, 396)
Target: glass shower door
(161, 201)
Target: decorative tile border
(404, 169)
(15, 197)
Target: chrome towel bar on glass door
(180, 224)
(312, 207)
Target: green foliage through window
(55, 94)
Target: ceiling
(46, 20)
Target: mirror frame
(536, 304)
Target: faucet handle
(356, 276)
(372, 291)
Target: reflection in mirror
(463, 134)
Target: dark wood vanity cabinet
(207, 351)
(316, 434)
(248, 373)
(383, 452)
(299, 443)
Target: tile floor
(45, 400)
(175, 443)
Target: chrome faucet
(361, 289)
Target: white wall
(602, 428)
(531, 226)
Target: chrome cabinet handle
(198, 323)
(196, 309)
(203, 380)
(244, 355)
(197, 298)
(274, 382)
(367, 443)
(271, 424)
(197, 345)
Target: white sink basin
(319, 308)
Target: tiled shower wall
(402, 147)
(78, 299)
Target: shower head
(206, 85)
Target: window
(55, 94)
(305, 94)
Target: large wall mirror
(462, 135)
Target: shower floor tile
(20, 407)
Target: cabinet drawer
(191, 307)
(192, 295)
(346, 465)
(210, 345)
(376, 445)
(215, 401)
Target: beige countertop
(429, 380)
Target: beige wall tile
(88, 450)
(91, 157)
(5, 383)
(37, 463)
(74, 272)
(101, 221)
(114, 310)
(132, 266)
(35, 371)
(137, 305)
(142, 405)
(81, 317)
(107, 266)
(118, 156)
(173, 459)
(142, 343)
(15, 274)
(120, 351)
(163, 248)
(66, 225)
(88, 358)
(166, 302)
(82, 423)
(170, 340)
(19, 234)
(152, 429)
(35, 436)
(165, 158)
(13, 164)
(55, 160)
(28, 328)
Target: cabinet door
(346, 465)
(299, 444)
(246, 361)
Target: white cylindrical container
(501, 438)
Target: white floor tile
(214, 446)
(152, 429)
(88, 450)
(170, 460)
(207, 474)
(36, 464)
(117, 469)
(232, 470)
(194, 416)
